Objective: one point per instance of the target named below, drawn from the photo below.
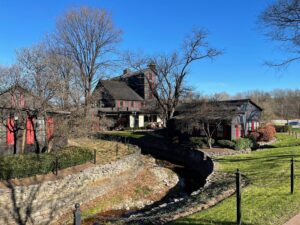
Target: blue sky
(159, 26)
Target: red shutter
(9, 132)
(237, 131)
(224, 131)
(29, 132)
(252, 125)
(50, 128)
(118, 103)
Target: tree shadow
(24, 203)
(195, 221)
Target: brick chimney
(126, 71)
(152, 66)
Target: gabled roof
(14, 88)
(130, 74)
(213, 110)
(119, 90)
(239, 102)
(232, 105)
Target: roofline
(140, 98)
(243, 100)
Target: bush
(283, 128)
(226, 144)
(254, 136)
(267, 133)
(243, 143)
(25, 165)
(198, 142)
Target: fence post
(292, 175)
(238, 198)
(56, 165)
(117, 150)
(95, 156)
(77, 215)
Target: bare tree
(206, 116)
(172, 69)
(88, 37)
(67, 84)
(281, 20)
(35, 66)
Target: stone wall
(161, 149)
(43, 203)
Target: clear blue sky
(160, 25)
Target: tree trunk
(209, 140)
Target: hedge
(226, 144)
(25, 165)
(200, 142)
(283, 128)
(243, 143)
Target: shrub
(254, 136)
(25, 165)
(226, 144)
(283, 128)
(198, 142)
(267, 133)
(243, 143)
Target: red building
(26, 127)
(127, 99)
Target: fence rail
(287, 174)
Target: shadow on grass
(268, 158)
(192, 221)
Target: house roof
(217, 105)
(14, 88)
(225, 110)
(239, 102)
(120, 90)
(130, 74)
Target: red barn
(25, 127)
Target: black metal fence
(289, 171)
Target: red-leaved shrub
(267, 133)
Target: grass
(267, 199)
(284, 140)
(107, 151)
(296, 130)
(127, 133)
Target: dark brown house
(230, 119)
(25, 126)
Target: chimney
(152, 66)
(126, 71)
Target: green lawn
(296, 129)
(267, 199)
(127, 133)
(284, 140)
